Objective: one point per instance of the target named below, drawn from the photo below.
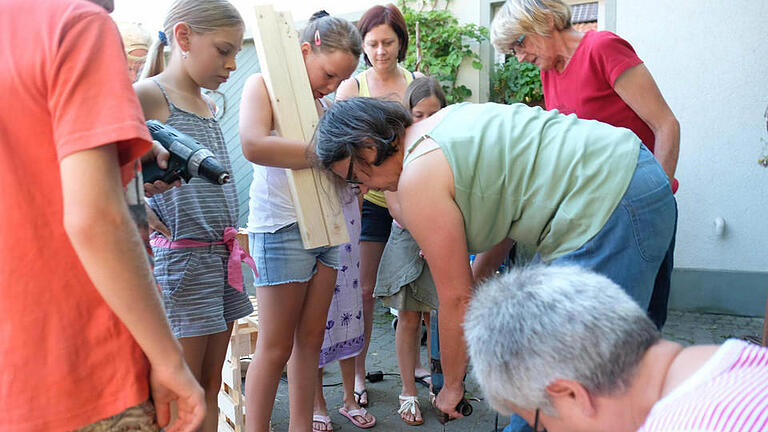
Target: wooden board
(318, 207)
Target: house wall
(714, 82)
(710, 60)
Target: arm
(259, 145)
(486, 263)
(105, 239)
(437, 225)
(393, 205)
(639, 91)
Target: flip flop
(324, 419)
(359, 397)
(425, 380)
(358, 413)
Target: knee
(310, 338)
(409, 320)
(211, 384)
(277, 353)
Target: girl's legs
(420, 371)
(307, 341)
(280, 307)
(408, 326)
(347, 367)
(205, 356)
(370, 255)
(426, 316)
(320, 408)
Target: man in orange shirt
(83, 336)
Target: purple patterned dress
(344, 336)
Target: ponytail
(155, 60)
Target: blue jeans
(632, 244)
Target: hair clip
(163, 38)
(317, 38)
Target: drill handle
(152, 172)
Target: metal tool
(436, 369)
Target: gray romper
(197, 298)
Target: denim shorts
(281, 258)
(376, 223)
(632, 244)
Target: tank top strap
(408, 75)
(211, 107)
(171, 106)
(410, 152)
(362, 84)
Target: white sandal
(410, 404)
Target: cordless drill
(188, 158)
(437, 372)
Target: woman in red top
(595, 75)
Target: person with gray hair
(472, 176)
(543, 345)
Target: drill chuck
(188, 158)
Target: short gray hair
(518, 17)
(537, 324)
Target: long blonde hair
(202, 16)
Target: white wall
(710, 60)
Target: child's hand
(177, 384)
(161, 156)
(155, 224)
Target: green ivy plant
(444, 45)
(513, 82)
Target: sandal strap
(321, 418)
(408, 404)
(361, 412)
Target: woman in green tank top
(472, 176)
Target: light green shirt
(547, 180)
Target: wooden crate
(241, 346)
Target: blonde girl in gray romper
(202, 299)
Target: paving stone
(684, 327)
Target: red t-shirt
(66, 359)
(585, 87)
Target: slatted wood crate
(241, 346)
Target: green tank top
(373, 195)
(547, 180)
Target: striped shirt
(728, 393)
(198, 210)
